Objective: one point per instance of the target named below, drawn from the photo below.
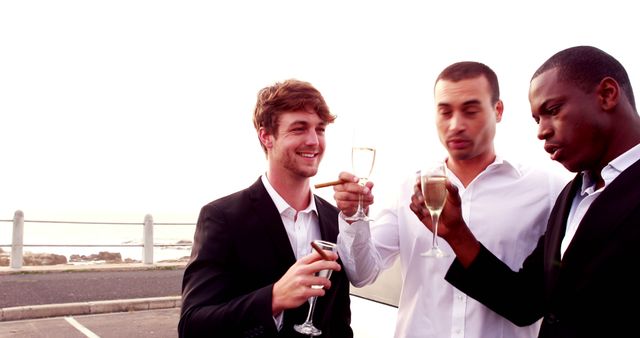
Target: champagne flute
(432, 182)
(307, 327)
(363, 156)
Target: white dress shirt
(302, 226)
(506, 207)
(583, 200)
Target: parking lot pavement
(150, 323)
(69, 302)
(369, 320)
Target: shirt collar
(500, 162)
(611, 170)
(280, 203)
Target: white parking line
(81, 328)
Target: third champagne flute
(307, 327)
(432, 183)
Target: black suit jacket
(594, 291)
(240, 250)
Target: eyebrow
(550, 101)
(297, 123)
(465, 103)
(543, 106)
(471, 102)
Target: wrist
(465, 245)
(276, 305)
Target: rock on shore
(33, 259)
(30, 258)
(108, 257)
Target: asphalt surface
(161, 323)
(126, 300)
(86, 286)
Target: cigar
(320, 251)
(327, 184)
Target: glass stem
(434, 218)
(312, 306)
(360, 211)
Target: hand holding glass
(307, 327)
(434, 191)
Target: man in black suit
(582, 277)
(251, 267)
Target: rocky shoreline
(103, 257)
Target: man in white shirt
(582, 277)
(506, 204)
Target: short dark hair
(470, 70)
(585, 67)
(287, 96)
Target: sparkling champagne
(362, 160)
(322, 273)
(435, 193)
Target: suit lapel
(557, 224)
(270, 219)
(285, 257)
(556, 228)
(606, 213)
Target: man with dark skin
(581, 277)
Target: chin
(572, 167)
(308, 172)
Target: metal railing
(17, 243)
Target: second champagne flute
(432, 183)
(363, 157)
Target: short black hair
(585, 67)
(465, 70)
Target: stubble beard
(292, 165)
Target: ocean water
(85, 239)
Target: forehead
(452, 92)
(299, 117)
(546, 87)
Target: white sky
(114, 109)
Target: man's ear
(499, 110)
(608, 93)
(265, 138)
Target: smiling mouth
(308, 155)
